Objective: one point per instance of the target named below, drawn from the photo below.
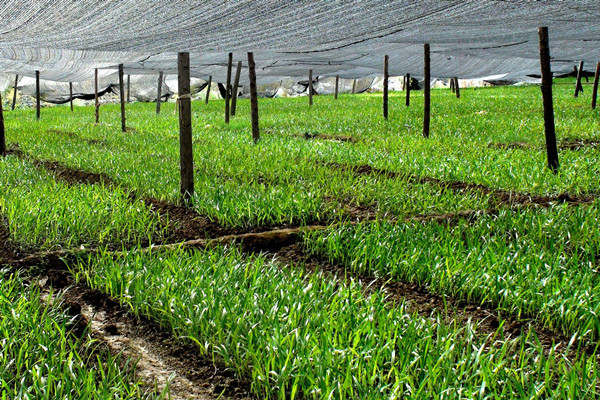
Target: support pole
(337, 86)
(427, 92)
(407, 88)
(208, 89)
(122, 93)
(236, 86)
(2, 135)
(595, 90)
(159, 92)
(578, 86)
(353, 86)
(310, 87)
(253, 98)
(128, 88)
(14, 103)
(96, 100)
(228, 88)
(37, 95)
(186, 155)
(386, 77)
(452, 85)
(551, 148)
(457, 87)
(71, 95)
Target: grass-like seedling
(41, 359)
(539, 263)
(300, 337)
(47, 214)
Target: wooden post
(96, 100)
(407, 90)
(353, 86)
(186, 155)
(236, 86)
(228, 87)
(457, 87)
(310, 87)
(37, 95)
(551, 148)
(15, 92)
(159, 92)
(2, 135)
(71, 95)
(452, 85)
(128, 88)
(122, 93)
(427, 92)
(208, 89)
(337, 86)
(578, 86)
(253, 98)
(385, 86)
(595, 90)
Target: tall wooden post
(122, 93)
(457, 87)
(2, 134)
(228, 87)
(128, 88)
(253, 98)
(186, 155)
(236, 86)
(452, 85)
(407, 89)
(337, 86)
(14, 103)
(38, 104)
(96, 100)
(310, 87)
(71, 95)
(208, 89)
(595, 90)
(159, 92)
(578, 86)
(353, 86)
(427, 92)
(551, 148)
(385, 86)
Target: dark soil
(8, 249)
(510, 146)
(73, 135)
(578, 144)
(333, 138)
(122, 331)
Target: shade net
(66, 40)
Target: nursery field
(343, 256)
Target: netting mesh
(65, 39)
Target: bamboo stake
(128, 88)
(457, 86)
(337, 86)
(310, 87)
(71, 95)
(578, 86)
(385, 86)
(15, 92)
(208, 89)
(122, 93)
(407, 90)
(185, 128)
(159, 92)
(452, 85)
(37, 95)
(236, 86)
(228, 88)
(97, 102)
(253, 98)
(353, 86)
(427, 92)
(595, 90)
(551, 148)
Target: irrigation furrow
(161, 359)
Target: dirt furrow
(161, 359)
